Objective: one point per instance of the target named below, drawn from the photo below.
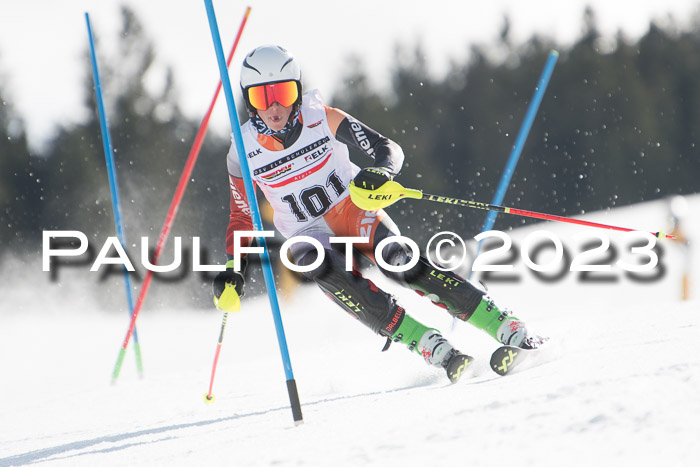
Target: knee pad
(308, 258)
(394, 253)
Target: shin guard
(445, 289)
(359, 296)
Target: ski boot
(503, 326)
(438, 352)
(514, 332)
(432, 346)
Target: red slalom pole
(175, 203)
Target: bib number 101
(314, 201)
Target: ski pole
(113, 185)
(209, 397)
(228, 301)
(392, 191)
(175, 204)
(255, 216)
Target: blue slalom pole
(520, 140)
(113, 186)
(255, 214)
(517, 148)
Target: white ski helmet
(269, 64)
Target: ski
(507, 357)
(458, 366)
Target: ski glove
(371, 178)
(229, 279)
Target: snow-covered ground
(617, 385)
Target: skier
(297, 151)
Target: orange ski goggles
(285, 93)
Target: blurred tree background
(618, 125)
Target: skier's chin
(275, 123)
